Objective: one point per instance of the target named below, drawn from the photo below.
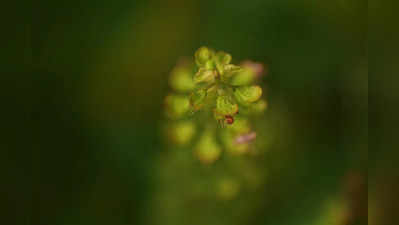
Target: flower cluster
(212, 86)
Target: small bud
(222, 58)
(207, 149)
(225, 106)
(197, 99)
(244, 77)
(202, 55)
(181, 79)
(209, 65)
(182, 132)
(225, 58)
(248, 94)
(177, 106)
(204, 76)
(259, 106)
(257, 68)
(230, 71)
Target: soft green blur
(93, 116)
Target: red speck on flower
(229, 119)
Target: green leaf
(248, 94)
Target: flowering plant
(212, 88)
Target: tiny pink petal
(245, 138)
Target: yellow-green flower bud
(230, 71)
(207, 149)
(225, 106)
(248, 94)
(202, 56)
(177, 106)
(182, 132)
(209, 65)
(259, 106)
(244, 77)
(204, 76)
(181, 79)
(221, 59)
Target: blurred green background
(90, 114)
